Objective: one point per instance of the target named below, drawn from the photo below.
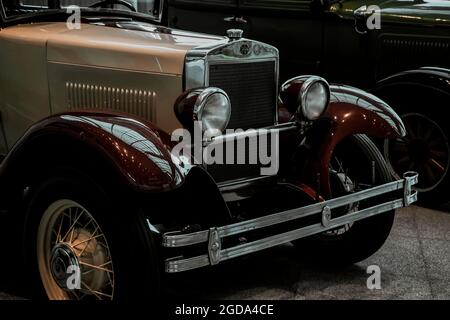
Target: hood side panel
(147, 95)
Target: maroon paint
(184, 107)
(351, 111)
(136, 148)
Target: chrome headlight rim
(201, 104)
(305, 90)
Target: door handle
(235, 19)
(362, 13)
(362, 16)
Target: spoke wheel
(74, 258)
(424, 149)
(356, 164)
(341, 185)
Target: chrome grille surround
(200, 59)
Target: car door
(421, 37)
(411, 34)
(207, 16)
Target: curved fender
(137, 150)
(429, 77)
(351, 111)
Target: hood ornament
(234, 34)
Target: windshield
(15, 8)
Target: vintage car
(101, 202)
(399, 50)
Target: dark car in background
(405, 61)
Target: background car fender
(409, 84)
(351, 111)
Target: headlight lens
(314, 97)
(213, 109)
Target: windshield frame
(61, 15)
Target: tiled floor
(414, 262)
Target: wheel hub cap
(62, 258)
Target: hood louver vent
(85, 96)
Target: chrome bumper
(213, 237)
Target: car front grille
(252, 91)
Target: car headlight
(213, 109)
(211, 106)
(305, 96)
(314, 96)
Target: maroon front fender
(137, 150)
(351, 111)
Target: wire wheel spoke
(425, 149)
(437, 165)
(92, 266)
(75, 240)
(411, 133)
(439, 154)
(401, 147)
(99, 295)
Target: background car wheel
(425, 150)
(357, 163)
(73, 221)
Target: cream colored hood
(150, 50)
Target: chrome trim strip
(186, 264)
(215, 235)
(251, 132)
(180, 240)
(174, 239)
(258, 245)
(198, 59)
(307, 231)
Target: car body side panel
(23, 78)
(405, 11)
(147, 95)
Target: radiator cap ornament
(235, 34)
